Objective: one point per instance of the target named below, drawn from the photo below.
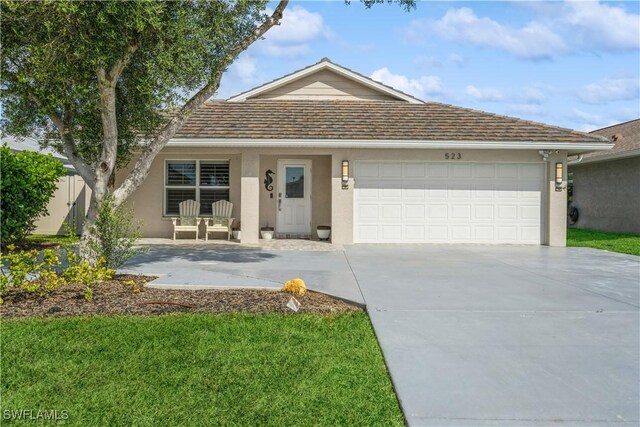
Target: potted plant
(235, 231)
(324, 231)
(266, 232)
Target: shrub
(41, 273)
(114, 235)
(27, 182)
(295, 287)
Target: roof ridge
(328, 61)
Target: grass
(615, 242)
(199, 370)
(49, 240)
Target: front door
(294, 197)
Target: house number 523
(452, 156)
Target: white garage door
(404, 202)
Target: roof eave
(607, 157)
(570, 147)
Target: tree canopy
(96, 78)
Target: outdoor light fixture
(559, 173)
(345, 174)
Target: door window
(294, 182)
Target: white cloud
(245, 68)
(532, 41)
(420, 87)
(297, 29)
(558, 29)
(484, 94)
(608, 90)
(600, 26)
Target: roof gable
(325, 81)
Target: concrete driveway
(506, 335)
(472, 335)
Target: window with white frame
(205, 181)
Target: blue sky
(571, 64)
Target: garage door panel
(507, 233)
(438, 233)
(415, 212)
(391, 170)
(415, 170)
(484, 233)
(532, 171)
(462, 170)
(508, 212)
(438, 170)
(391, 212)
(508, 171)
(461, 233)
(415, 233)
(448, 202)
(438, 211)
(460, 190)
(368, 211)
(484, 170)
(483, 212)
(368, 170)
(414, 191)
(392, 233)
(460, 212)
(439, 192)
(529, 234)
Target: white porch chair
(221, 220)
(189, 218)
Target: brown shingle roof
(365, 120)
(627, 137)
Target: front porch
(292, 193)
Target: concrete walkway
(223, 266)
(506, 335)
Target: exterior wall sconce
(559, 174)
(345, 174)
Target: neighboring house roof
(322, 65)
(31, 144)
(625, 138)
(365, 120)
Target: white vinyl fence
(67, 207)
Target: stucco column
(341, 202)
(249, 197)
(556, 214)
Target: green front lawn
(244, 370)
(615, 242)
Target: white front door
(294, 197)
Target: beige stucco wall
(607, 195)
(325, 84)
(331, 205)
(148, 199)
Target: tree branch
(143, 164)
(62, 126)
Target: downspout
(576, 161)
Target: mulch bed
(115, 298)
